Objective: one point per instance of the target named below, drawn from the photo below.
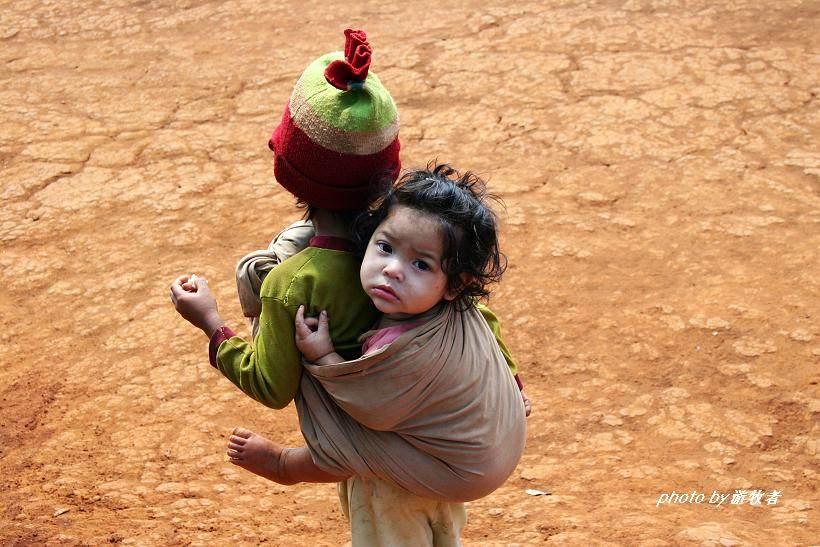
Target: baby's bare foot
(258, 455)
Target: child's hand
(313, 335)
(527, 404)
(190, 285)
(194, 301)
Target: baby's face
(401, 270)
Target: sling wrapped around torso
(436, 411)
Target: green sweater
(268, 369)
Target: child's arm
(268, 371)
(495, 327)
(313, 339)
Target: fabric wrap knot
(351, 72)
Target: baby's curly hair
(468, 225)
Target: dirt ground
(661, 174)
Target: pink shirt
(384, 336)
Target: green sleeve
(495, 326)
(269, 369)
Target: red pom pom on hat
(352, 72)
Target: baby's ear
(466, 279)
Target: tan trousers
(382, 514)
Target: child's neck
(327, 223)
(389, 320)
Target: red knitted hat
(339, 133)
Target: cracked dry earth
(660, 167)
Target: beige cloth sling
(436, 411)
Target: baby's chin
(391, 311)
(386, 308)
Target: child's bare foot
(275, 462)
(257, 454)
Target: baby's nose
(392, 270)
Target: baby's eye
(421, 265)
(384, 247)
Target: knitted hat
(339, 131)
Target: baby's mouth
(385, 291)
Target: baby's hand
(527, 404)
(313, 335)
